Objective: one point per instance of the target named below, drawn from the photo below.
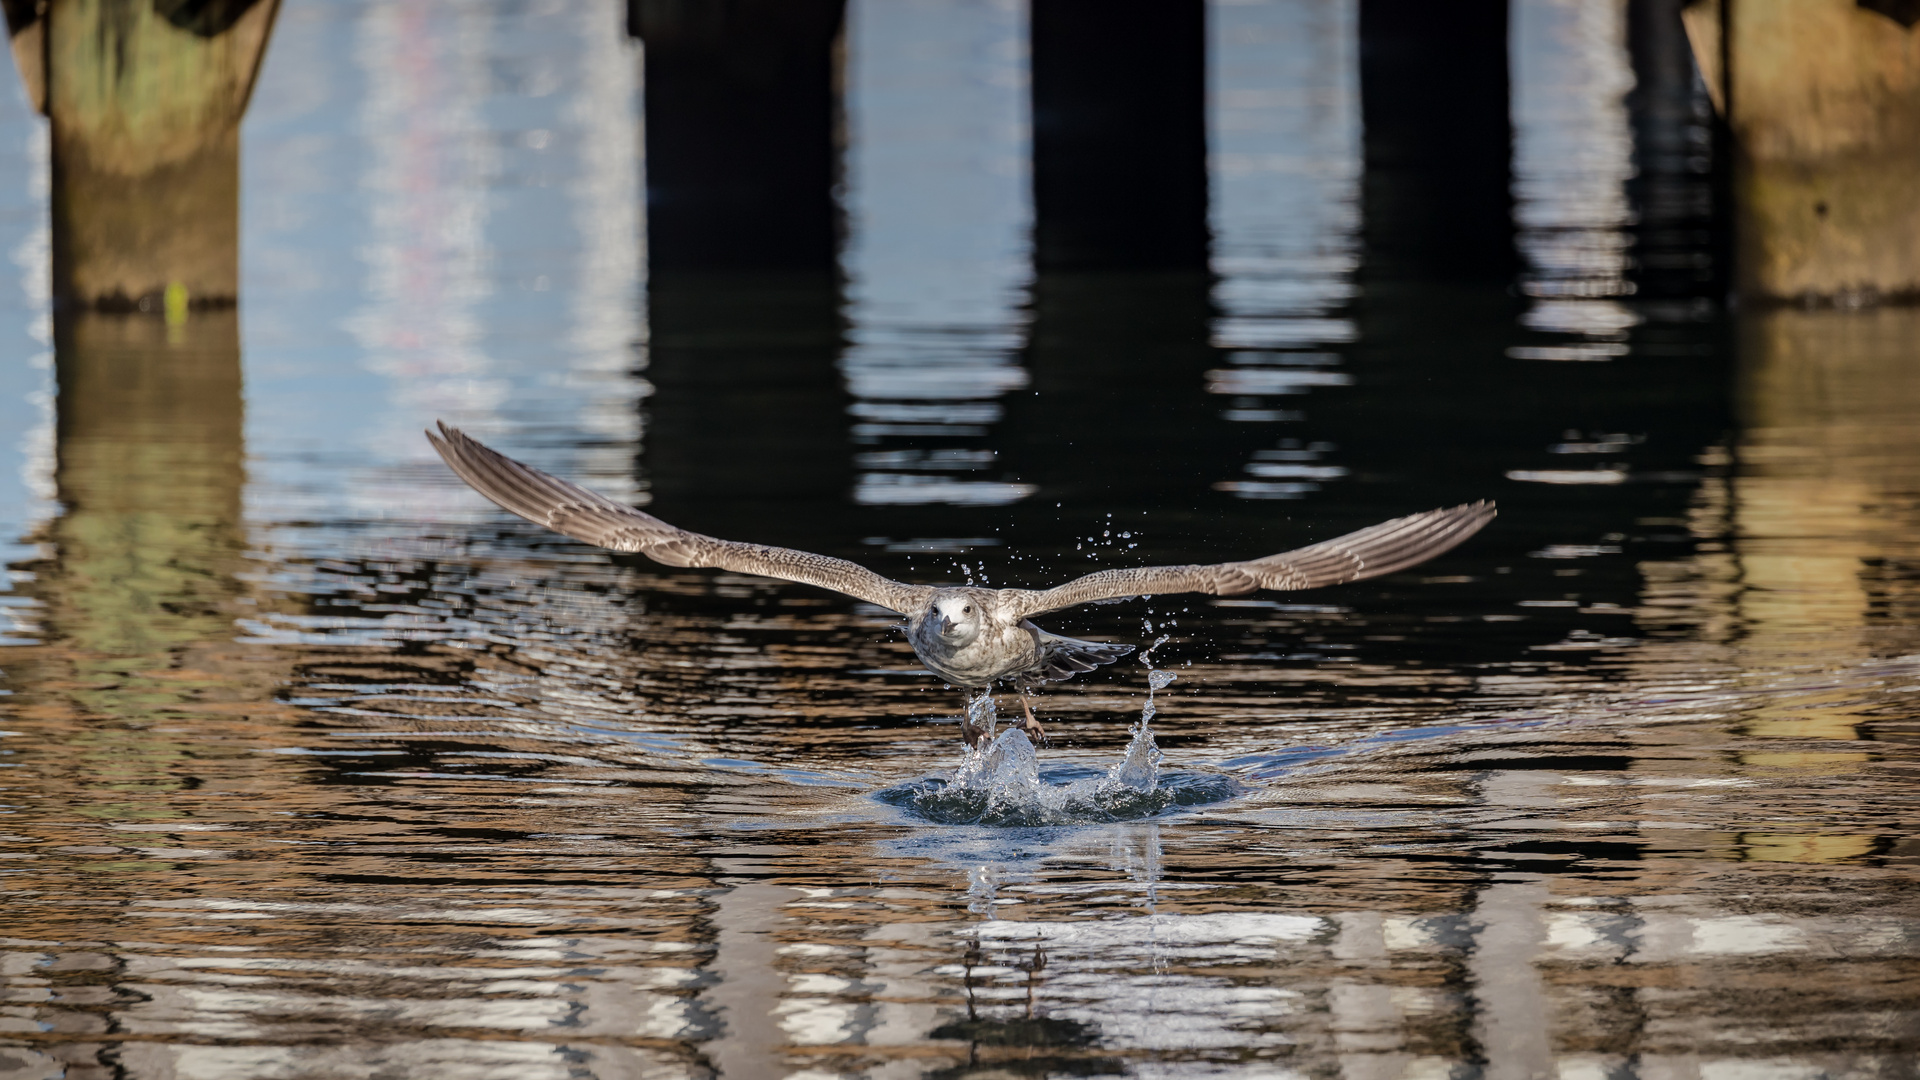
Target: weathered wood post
(1119, 134)
(145, 99)
(1822, 98)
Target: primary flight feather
(968, 636)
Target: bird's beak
(946, 625)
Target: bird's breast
(995, 654)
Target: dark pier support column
(1671, 190)
(1439, 140)
(741, 114)
(745, 327)
(145, 99)
(1119, 134)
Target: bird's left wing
(1370, 552)
(574, 511)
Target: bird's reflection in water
(1026, 1045)
(1008, 1029)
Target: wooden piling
(145, 99)
(26, 35)
(1822, 98)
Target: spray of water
(1139, 768)
(1001, 782)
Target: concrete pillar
(1436, 199)
(145, 99)
(1119, 134)
(1822, 98)
(742, 116)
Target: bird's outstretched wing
(574, 511)
(1371, 552)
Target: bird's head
(957, 616)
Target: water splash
(1001, 782)
(981, 716)
(1139, 768)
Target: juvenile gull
(970, 637)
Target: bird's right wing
(1370, 552)
(574, 511)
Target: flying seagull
(970, 637)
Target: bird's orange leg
(1031, 726)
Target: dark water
(314, 766)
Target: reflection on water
(312, 767)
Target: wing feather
(574, 511)
(1371, 552)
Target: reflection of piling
(1811, 541)
(743, 300)
(1119, 134)
(145, 100)
(138, 597)
(741, 108)
(748, 405)
(149, 476)
(1823, 101)
(1824, 507)
(1433, 93)
(1119, 413)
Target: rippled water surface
(314, 765)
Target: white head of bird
(957, 617)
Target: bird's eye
(968, 610)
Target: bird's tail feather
(1065, 657)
